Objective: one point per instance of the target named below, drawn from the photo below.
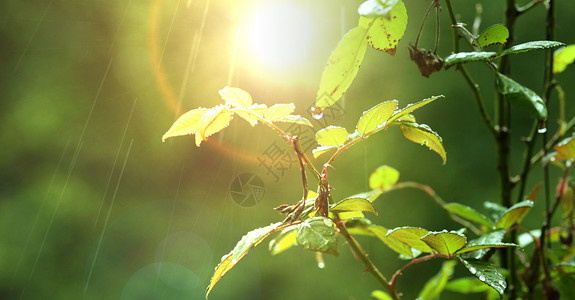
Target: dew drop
(482, 278)
(320, 264)
(542, 130)
(234, 261)
(501, 283)
(316, 112)
(317, 116)
(328, 222)
(472, 270)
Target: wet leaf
(495, 237)
(248, 241)
(376, 116)
(317, 152)
(562, 58)
(445, 242)
(423, 135)
(188, 123)
(383, 178)
(483, 247)
(486, 273)
(465, 57)
(533, 45)
(376, 8)
(495, 34)
(236, 97)
(436, 284)
(284, 241)
(318, 234)
(566, 148)
(296, 119)
(468, 213)
(278, 111)
(385, 32)
(521, 96)
(342, 67)
(354, 204)
(467, 285)
(332, 136)
(213, 121)
(411, 236)
(514, 215)
(403, 114)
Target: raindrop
(501, 283)
(316, 112)
(317, 116)
(542, 130)
(472, 270)
(328, 222)
(320, 264)
(482, 278)
(234, 261)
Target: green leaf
(411, 236)
(383, 178)
(376, 8)
(322, 150)
(484, 246)
(278, 111)
(354, 204)
(342, 67)
(370, 196)
(514, 215)
(494, 237)
(236, 97)
(332, 136)
(296, 119)
(495, 34)
(533, 45)
(562, 58)
(444, 242)
(285, 240)
(403, 114)
(423, 135)
(213, 121)
(468, 213)
(521, 96)
(376, 116)
(486, 273)
(188, 123)
(380, 295)
(248, 241)
(495, 209)
(567, 267)
(566, 148)
(465, 57)
(364, 227)
(385, 32)
(251, 113)
(435, 285)
(318, 234)
(467, 285)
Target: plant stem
(412, 263)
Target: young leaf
(236, 97)
(404, 114)
(342, 67)
(495, 34)
(566, 148)
(188, 123)
(468, 213)
(250, 114)
(376, 116)
(467, 285)
(465, 57)
(296, 119)
(248, 241)
(486, 273)
(385, 32)
(213, 121)
(278, 111)
(514, 214)
(376, 8)
(284, 241)
(562, 58)
(332, 136)
(318, 234)
(423, 135)
(467, 249)
(521, 96)
(354, 204)
(411, 236)
(380, 295)
(322, 150)
(533, 45)
(369, 196)
(435, 285)
(444, 242)
(383, 178)
(364, 227)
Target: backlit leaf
(403, 114)
(411, 236)
(376, 116)
(467, 285)
(236, 97)
(354, 204)
(445, 242)
(436, 284)
(495, 34)
(213, 121)
(251, 114)
(533, 45)
(562, 58)
(514, 215)
(278, 111)
(468, 213)
(566, 148)
(318, 234)
(486, 273)
(370, 196)
(342, 67)
(188, 123)
(521, 96)
(284, 241)
(248, 241)
(423, 135)
(317, 152)
(296, 119)
(383, 178)
(332, 136)
(385, 32)
(376, 8)
(465, 57)
(364, 227)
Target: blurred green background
(94, 206)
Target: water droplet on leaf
(317, 116)
(542, 130)
(234, 261)
(321, 264)
(482, 278)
